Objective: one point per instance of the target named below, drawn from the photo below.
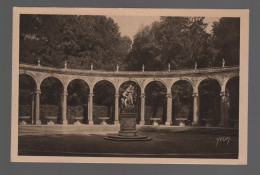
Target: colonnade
(36, 108)
(194, 76)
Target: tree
(226, 39)
(182, 100)
(176, 40)
(79, 39)
(27, 86)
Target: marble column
(169, 110)
(142, 121)
(116, 122)
(37, 107)
(223, 119)
(195, 109)
(64, 108)
(90, 108)
(32, 108)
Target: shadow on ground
(166, 142)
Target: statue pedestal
(128, 124)
(127, 129)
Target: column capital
(169, 95)
(142, 95)
(38, 91)
(65, 93)
(91, 94)
(116, 95)
(195, 94)
(222, 94)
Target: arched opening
(136, 96)
(209, 102)
(182, 105)
(51, 101)
(77, 101)
(232, 99)
(27, 87)
(155, 102)
(104, 101)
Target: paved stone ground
(179, 142)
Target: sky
(129, 25)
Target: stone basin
(104, 119)
(155, 120)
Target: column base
(168, 123)
(38, 122)
(116, 122)
(155, 123)
(142, 123)
(194, 123)
(64, 122)
(90, 123)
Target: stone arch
(229, 78)
(51, 99)
(77, 100)
(186, 80)
(157, 103)
(208, 78)
(76, 78)
(209, 102)
(105, 79)
(214, 79)
(29, 74)
(154, 80)
(26, 100)
(104, 101)
(133, 80)
(53, 76)
(232, 101)
(182, 101)
(136, 96)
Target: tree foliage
(78, 92)
(79, 39)
(209, 100)
(226, 38)
(82, 40)
(26, 86)
(175, 40)
(182, 99)
(51, 91)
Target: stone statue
(127, 103)
(195, 66)
(128, 117)
(65, 64)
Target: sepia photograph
(161, 86)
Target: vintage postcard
(153, 86)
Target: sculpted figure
(127, 99)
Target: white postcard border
(243, 83)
